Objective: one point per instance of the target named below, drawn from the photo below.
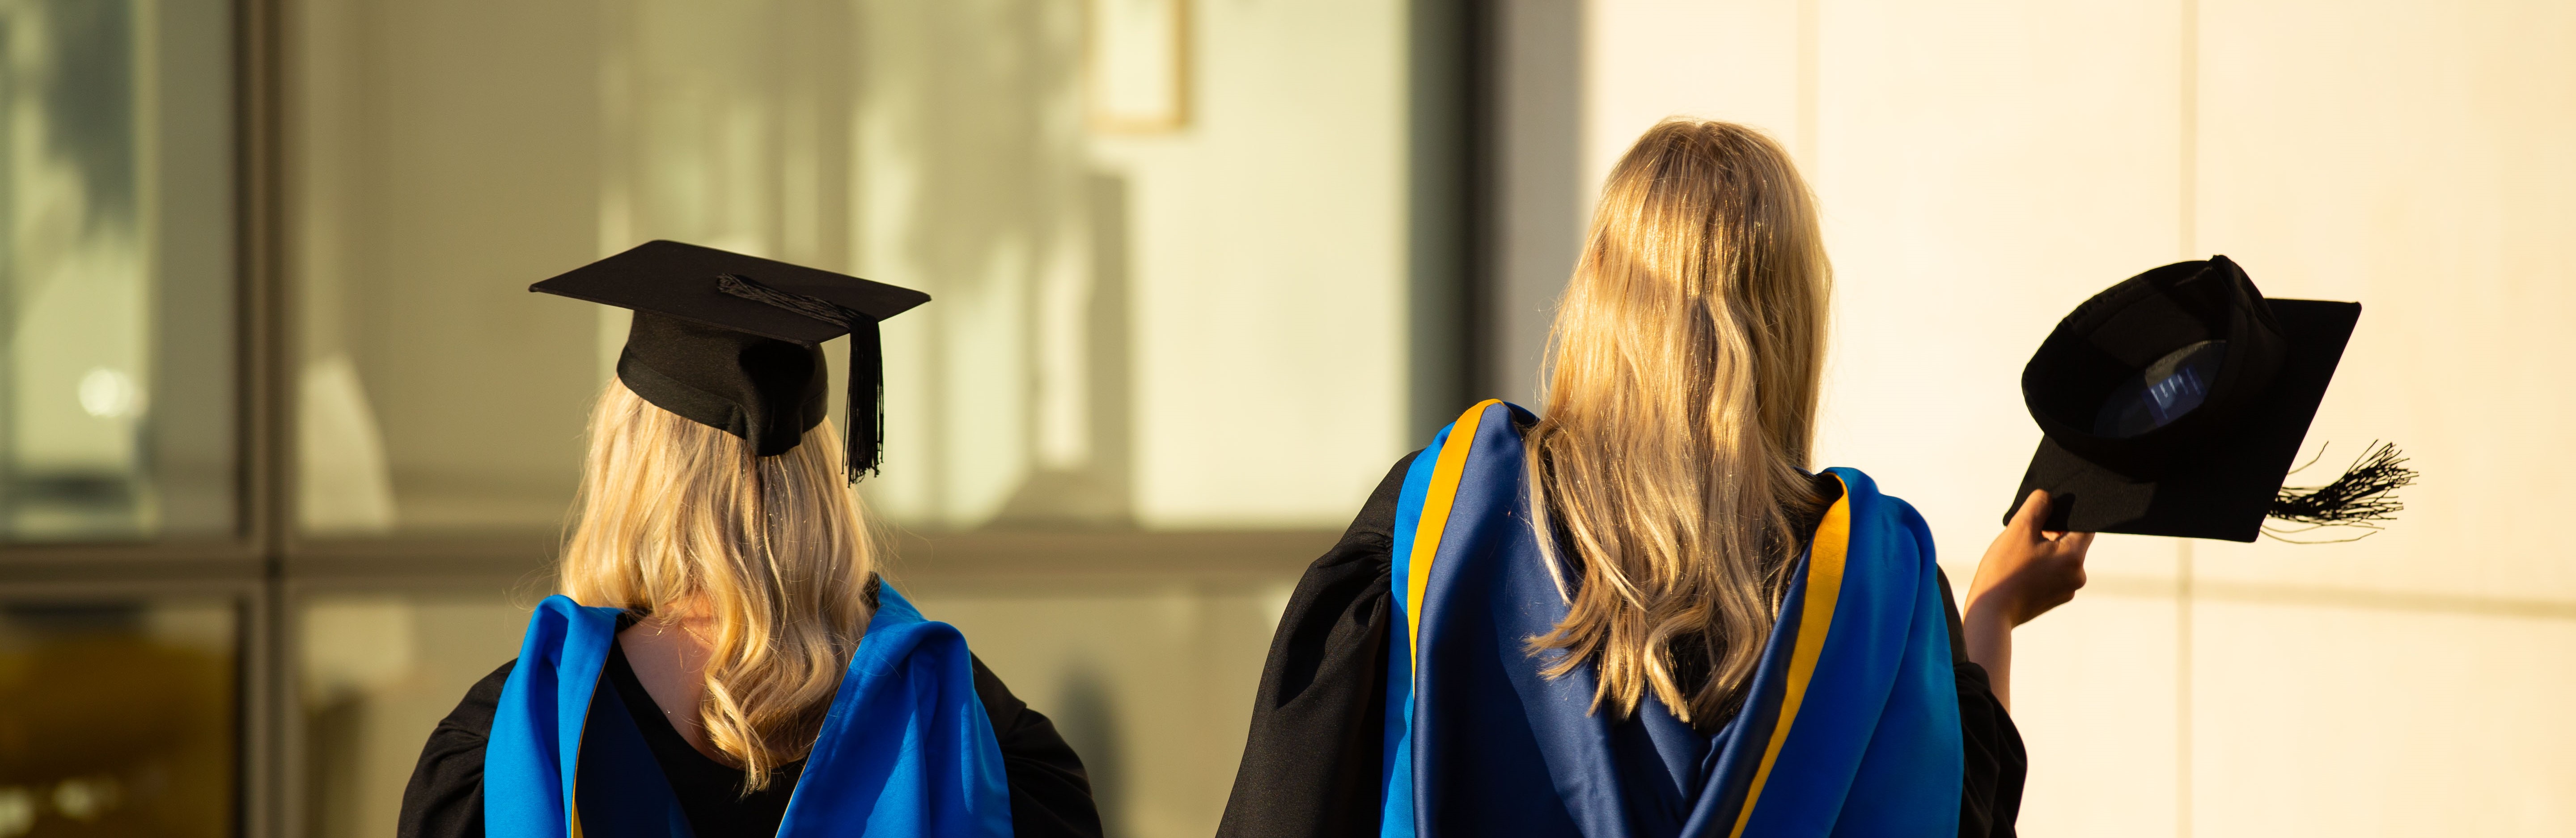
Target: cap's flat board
(678, 280)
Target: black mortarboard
(734, 342)
(2175, 403)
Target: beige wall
(1985, 166)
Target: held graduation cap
(2174, 404)
(734, 342)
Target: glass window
(118, 717)
(1169, 293)
(116, 270)
(375, 672)
(1151, 685)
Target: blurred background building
(285, 446)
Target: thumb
(2025, 522)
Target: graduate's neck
(669, 651)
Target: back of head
(1681, 406)
(678, 517)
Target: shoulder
(473, 714)
(1366, 547)
(1377, 516)
(445, 795)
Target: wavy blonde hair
(1681, 408)
(675, 514)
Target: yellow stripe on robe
(572, 805)
(1436, 500)
(1815, 619)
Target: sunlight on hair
(1681, 409)
(676, 516)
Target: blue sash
(1850, 726)
(906, 750)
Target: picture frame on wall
(1137, 66)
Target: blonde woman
(1638, 613)
(723, 660)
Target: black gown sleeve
(1050, 794)
(1990, 797)
(445, 796)
(1311, 764)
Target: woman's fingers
(2069, 555)
(2025, 521)
(2029, 570)
(2068, 544)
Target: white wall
(1985, 166)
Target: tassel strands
(2364, 496)
(866, 399)
(867, 365)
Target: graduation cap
(2175, 403)
(734, 342)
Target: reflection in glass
(441, 156)
(1153, 688)
(115, 269)
(1116, 313)
(375, 672)
(118, 718)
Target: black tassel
(867, 365)
(867, 399)
(2363, 496)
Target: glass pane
(375, 674)
(1153, 688)
(116, 269)
(118, 717)
(1146, 267)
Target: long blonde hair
(1681, 406)
(674, 514)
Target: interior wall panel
(2413, 156)
(1982, 168)
(2321, 720)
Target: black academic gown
(1311, 765)
(1050, 795)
